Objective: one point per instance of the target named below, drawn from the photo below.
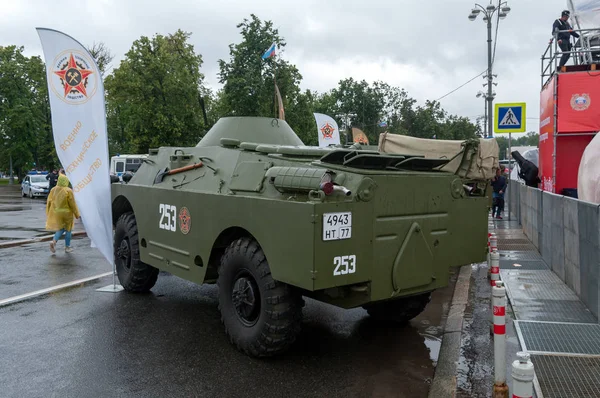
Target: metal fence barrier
(566, 231)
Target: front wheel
(134, 275)
(400, 310)
(261, 315)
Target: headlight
(37, 189)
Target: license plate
(337, 226)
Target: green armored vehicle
(270, 220)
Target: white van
(119, 164)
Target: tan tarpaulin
(482, 166)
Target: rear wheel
(134, 275)
(261, 315)
(400, 310)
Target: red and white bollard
(493, 242)
(494, 267)
(492, 245)
(499, 305)
(522, 376)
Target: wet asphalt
(22, 217)
(79, 342)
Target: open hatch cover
(377, 161)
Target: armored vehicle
(270, 221)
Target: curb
(444, 380)
(46, 238)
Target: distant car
(34, 185)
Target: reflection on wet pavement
(170, 342)
(22, 217)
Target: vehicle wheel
(30, 194)
(261, 315)
(134, 275)
(23, 193)
(400, 310)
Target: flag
(280, 103)
(270, 52)
(76, 94)
(359, 136)
(382, 124)
(329, 133)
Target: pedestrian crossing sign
(510, 118)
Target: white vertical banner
(329, 133)
(77, 106)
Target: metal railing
(582, 54)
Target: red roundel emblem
(185, 220)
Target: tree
(102, 55)
(25, 128)
(155, 96)
(380, 102)
(249, 81)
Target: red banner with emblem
(579, 102)
(546, 146)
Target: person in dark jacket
(563, 38)
(499, 186)
(527, 170)
(52, 178)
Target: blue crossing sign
(510, 117)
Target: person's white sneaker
(68, 249)
(52, 246)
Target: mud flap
(413, 266)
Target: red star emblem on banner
(73, 77)
(327, 131)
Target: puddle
(433, 344)
(18, 208)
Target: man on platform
(499, 185)
(563, 38)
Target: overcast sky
(427, 47)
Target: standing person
(61, 211)
(563, 38)
(52, 178)
(499, 185)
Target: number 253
(344, 265)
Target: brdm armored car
(270, 221)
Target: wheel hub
(124, 253)
(246, 299)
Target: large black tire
(399, 310)
(134, 275)
(261, 316)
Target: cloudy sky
(427, 47)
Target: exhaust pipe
(340, 188)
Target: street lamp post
(485, 110)
(503, 9)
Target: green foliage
(154, 97)
(25, 126)
(249, 81)
(364, 106)
(157, 97)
